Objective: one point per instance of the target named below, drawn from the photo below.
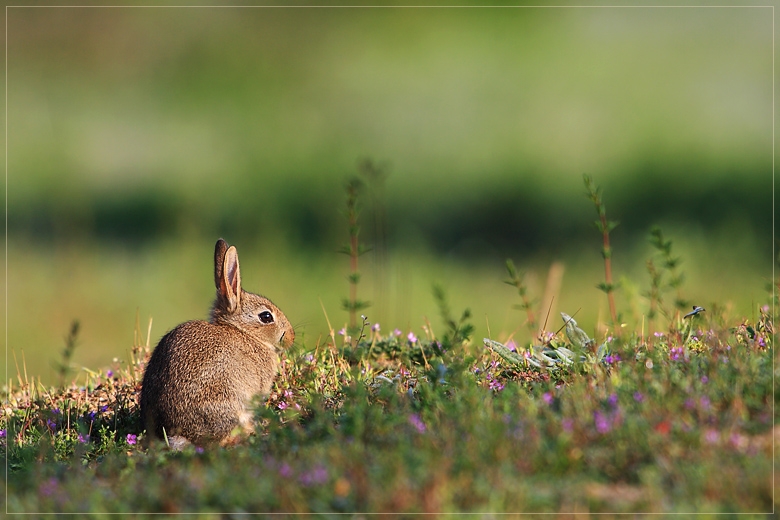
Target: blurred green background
(137, 136)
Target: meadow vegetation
(676, 415)
(419, 381)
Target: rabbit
(202, 376)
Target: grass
(680, 421)
(674, 418)
(677, 421)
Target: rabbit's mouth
(285, 340)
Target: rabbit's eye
(266, 317)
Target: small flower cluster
(492, 375)
(285, 400)
(605, 420)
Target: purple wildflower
(411, 337)
(675, 353)
(285, 471)
(317, 475)
(342, 332)
(51, 424)
(689, 404)
(761, 341)
(110, 374)
(548, 398)
(417, 422)
(103, 409)
(375, 327)
(282, 405)
(612, 400)
(309, 358)
(83, 439)
(131, 438)
(91, 415)
(638, 397)
(658, 334)
(612, 359)
(2, 434)
(199, 449)
(495, 384)
(49, 487)
(704, 379)
(397, 332)
(601, 421)
(511, 345)
(704, 402)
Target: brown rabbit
(201, 378)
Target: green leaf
(539, 354)
(510, 267)
(505, 353)
(606, 287)
(357, 305)
(576, 335)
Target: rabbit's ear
(219, 259)
(230, 281)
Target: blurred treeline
(136, 129)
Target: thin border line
(6, 248)
(398, 7)
(774, 284)
(401, 7)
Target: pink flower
(131, 438)
(411, 337)
(602, 422)
(417, 422)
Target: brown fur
(202, 377)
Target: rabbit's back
(201, 379)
